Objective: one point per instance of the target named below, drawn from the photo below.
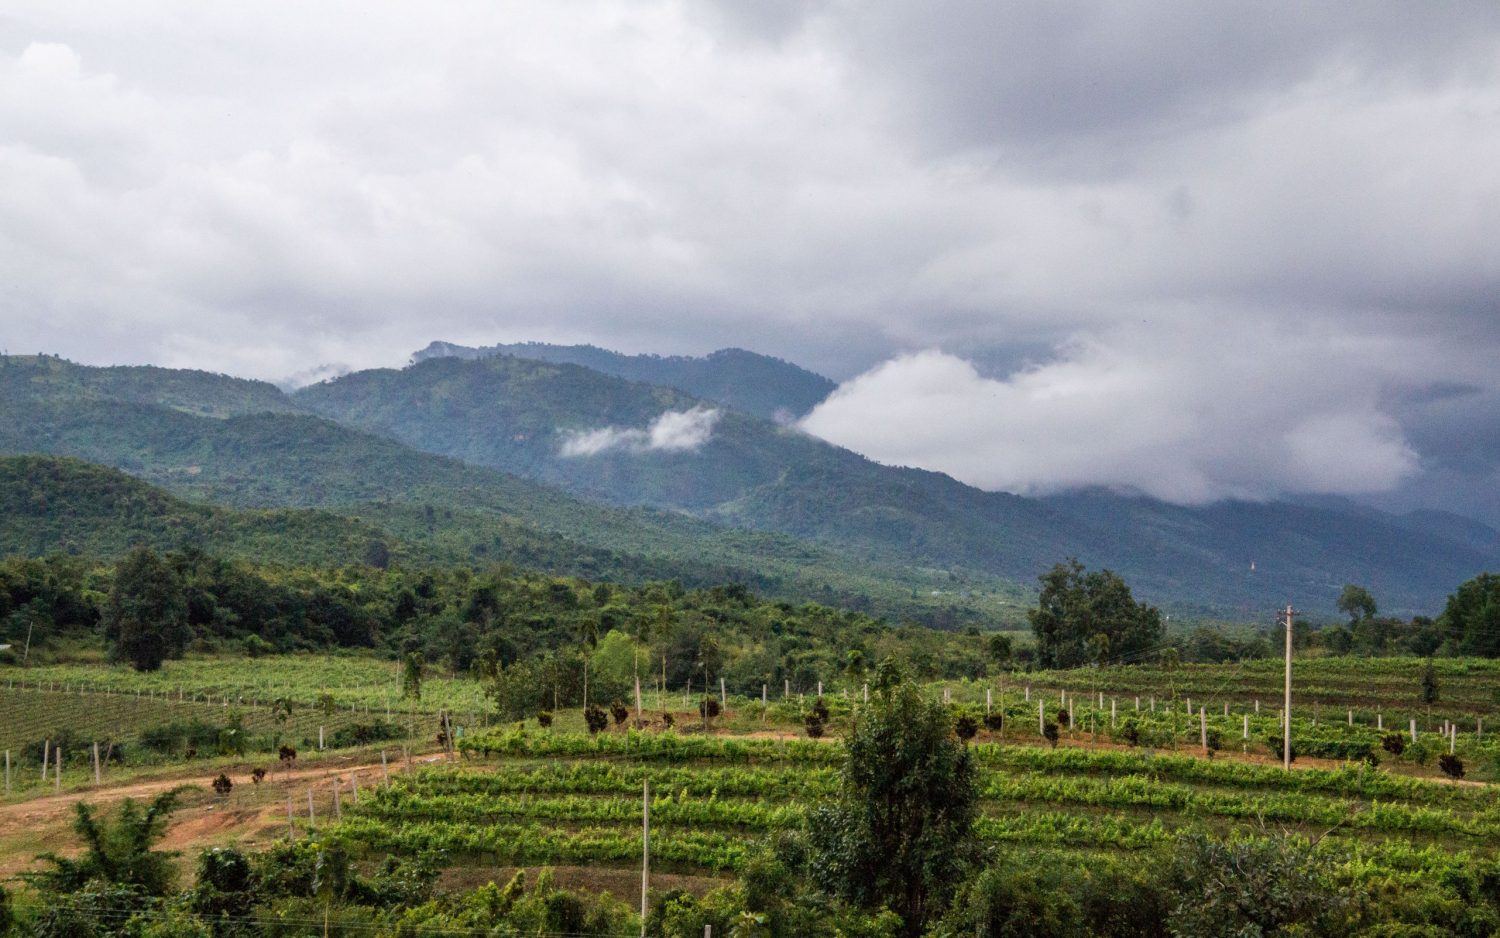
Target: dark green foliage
(1429, 684)
(1088, 618)
(1471, 617)
(900, 834)
(146, 615)
(1274, 743)
(994, 722)
(95, 909)
(1129, 732)
(965, 727)
(544, 719)
(619, 712)
(169, 738)
(1050, 733)
(814, 726)
(1393, 743)
(1043, 895)
(221, 785)
(1452, 766)
(1356, 603)
(118, 853)
(709, 707)
(225, 891)
(1000, 650)
(756, 384)
(1274, 886)
(595, 717)
(364, 734)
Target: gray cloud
(268, 190)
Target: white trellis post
(1041, 718)
(1112, 703)
(1414, 729)
(1203, 728)
(1245, 730)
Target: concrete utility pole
(1286, 726)
(645, 849)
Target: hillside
(756, 384)
(519, 415)
(195, 392)
(436, 509)
(53, 505)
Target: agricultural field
(532, 797)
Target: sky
(1238, 250)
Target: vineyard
(529, 797)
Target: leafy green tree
(1356, 603)
(1082, 616)
(118, 853)
(1429, 684)
(411, 675)
(1471, 617)
(146, 614)
(901, 832)
(225, 891)
(1000, 649)
(1271, 886)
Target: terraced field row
(541, 798)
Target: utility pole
(645, 849)
(1286, 727)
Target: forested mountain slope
(526, 417)
(436, 509)
(756, 384)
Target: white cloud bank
(673, 431)
(1177, 414)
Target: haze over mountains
(470, 455)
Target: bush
(1129, 733)
(667, 719)
(363, 734)
(1049, 732)
(619, 711)
(595, 717)
(814, 726)
(994, 722)
(222, 785)
(1452, 766)
(544, 719)
(1275, 743)
(709, 707)
(1393, 743)
(966, 727)
(169, 738)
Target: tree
(1429, 684)
(900, 833)
(1081, 617)
(118, 853)
(1471, 617)
(1356, 603)
(1000, 649)
(146, 614)
(411, 675)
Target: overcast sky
(1237, 249)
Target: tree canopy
(900, 833)
(1084, 617)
